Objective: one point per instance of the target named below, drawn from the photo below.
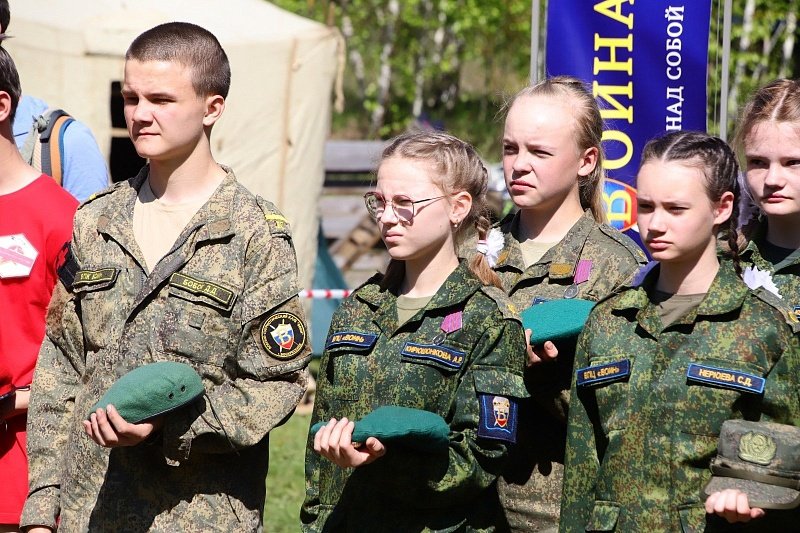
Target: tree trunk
(788, 44)
(385, 72)
(744, 44)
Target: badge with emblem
(794, 316)
(17, 256)
(757, 448)
(283, 335)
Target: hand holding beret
(556, 319)
(415, 428)
(151, 390)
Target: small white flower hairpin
(491, 246)
(755, 278)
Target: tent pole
(726, 56)
(535, 28)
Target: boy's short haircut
(191, 46)
(9, 78)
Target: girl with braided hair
(434, 334)
(662, 364)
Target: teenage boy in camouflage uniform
(180, 263)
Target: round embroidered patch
(283, 335)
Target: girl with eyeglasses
(661, 365)
(436, 334)
(555, 246)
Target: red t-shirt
(42, 212)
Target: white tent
(277, 117)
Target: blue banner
(646, 63)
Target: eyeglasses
(402, 205)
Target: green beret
(415, 428)
(151, 390)
(556, 319)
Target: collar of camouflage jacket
(752, 253)
(457, 288)
(214, 217)
(727, 293)
(566, 252)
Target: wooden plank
(352, 157)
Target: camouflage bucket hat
(761, 459)
(151, 390)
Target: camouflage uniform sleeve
(581, 460)
(55, 383)
(268, 376)
(310, 511)
(473, 462)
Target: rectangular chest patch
(197, 286)
(592, 375)
(498, 418)
(725, 378)
(91, 277)
(351, 338)
(441, 356)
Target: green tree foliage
(453, 61)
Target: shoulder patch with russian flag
(498, 418)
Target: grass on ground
(286, 479)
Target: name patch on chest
(90, 277)
(351, 338)
(443, 356)
(592, 375)
(498, 419)
(725, 378)
(198, 286)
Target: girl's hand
(732, 505)
(547, 352)
(334, 441)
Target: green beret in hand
(556, 319)
(415, 428)
(151, 390)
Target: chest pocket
(348, 355)
(200, 321)
(717, 390)
(609, 380)
(103, 294)
(431, 373)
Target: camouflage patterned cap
(151, 390)
(761, 459)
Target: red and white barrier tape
(325, 294)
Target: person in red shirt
(35, 228)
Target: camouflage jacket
(531, 484)
(648, 403)
(785, 274)
(211, 302)
(381, 364)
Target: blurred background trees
(451, 63)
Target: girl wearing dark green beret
(662, 364)
(435, 334)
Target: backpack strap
(52, 157)
(40, 150)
